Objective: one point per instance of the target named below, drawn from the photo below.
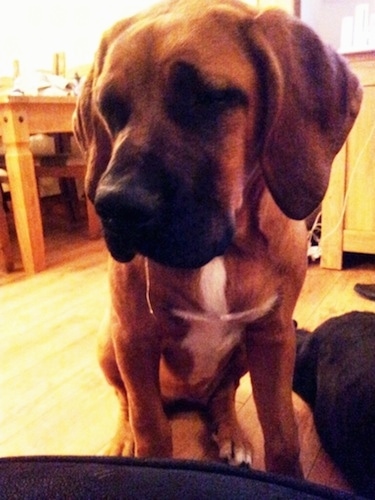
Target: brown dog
(208, 127)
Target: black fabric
(367, 291)
(86, 478)
(335, 375)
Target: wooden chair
(68, 168)
(68, 172)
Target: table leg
(23, 189)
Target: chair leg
(68, 190)
(6, 254)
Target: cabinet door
(348, 223)
(359, 222)
(360, 171)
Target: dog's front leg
(233, 447)
(122, 442)
(271, 356)
(138, 358)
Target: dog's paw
(120, 448)
(234, 450)
(122, 444)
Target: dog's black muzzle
(147, 211)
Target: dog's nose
(126, 205)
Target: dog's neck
(212, 279)
(213, 304)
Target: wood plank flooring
(53, 397)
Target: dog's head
(185, 102)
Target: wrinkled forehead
(210, 41)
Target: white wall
(325, 16)
(33, 30)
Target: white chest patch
(209, 338)
(214, 332)
(212, 284)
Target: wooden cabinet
(348, 220)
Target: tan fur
(298, 103)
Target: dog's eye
(115, 111)
(192, 102)
(220, 99)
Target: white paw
(235, 452)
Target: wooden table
(20, 117)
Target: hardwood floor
(54, 399)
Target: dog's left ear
(310, 102)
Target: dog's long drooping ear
(89, 128)
(311, 100)
(92, 137)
